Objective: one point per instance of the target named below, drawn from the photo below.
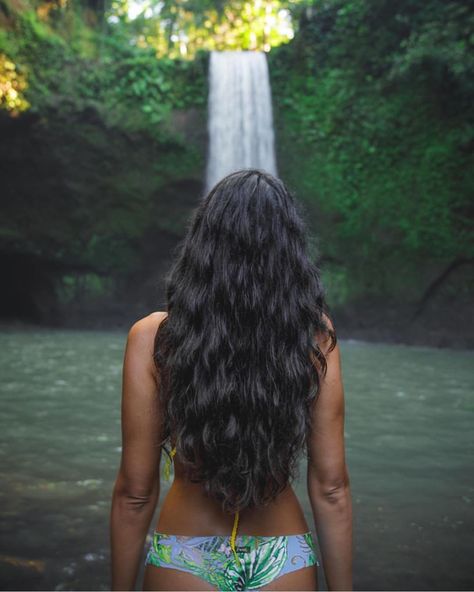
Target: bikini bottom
(260, 558)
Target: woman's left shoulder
(143, 331)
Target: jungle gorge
(103, 122)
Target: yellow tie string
(167, 469)
(232, 538)
(236, 519)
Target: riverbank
(437, 326)
(440, 325)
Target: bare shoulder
(141, 335)
(145, 328)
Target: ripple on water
(94, 557)
(89, 483)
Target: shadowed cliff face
(90, 215)
(83, 199)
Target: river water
(409, 446)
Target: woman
(239, 376)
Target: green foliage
(180, 29)
(123, 82)
(89, 286)
(374, 126)
(88, 161)
(12, 86)
(373, 100)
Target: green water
(409, 414)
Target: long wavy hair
(237, 356)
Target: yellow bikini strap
(167, 469)
(232, 538)
(236, 519)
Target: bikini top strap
(167, 469)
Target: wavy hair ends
(237, 354)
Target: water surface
(409, 414)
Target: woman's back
(187, 510)
(190, 520)
(233, 383)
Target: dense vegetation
(92, 166)
(375, 98)
(103, 122)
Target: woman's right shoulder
(141, 342)
(144, 330)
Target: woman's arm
(328, 477)
(137, 486)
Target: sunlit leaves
(44, 9)
(12, 85)
(375, 101)
(180, 29)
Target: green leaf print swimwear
(262, 558)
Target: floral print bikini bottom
(261, 558)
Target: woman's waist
(186, 510)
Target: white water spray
(240, 120)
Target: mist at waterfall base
(240, 116)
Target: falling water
(240, 114)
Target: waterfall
(240, 120)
